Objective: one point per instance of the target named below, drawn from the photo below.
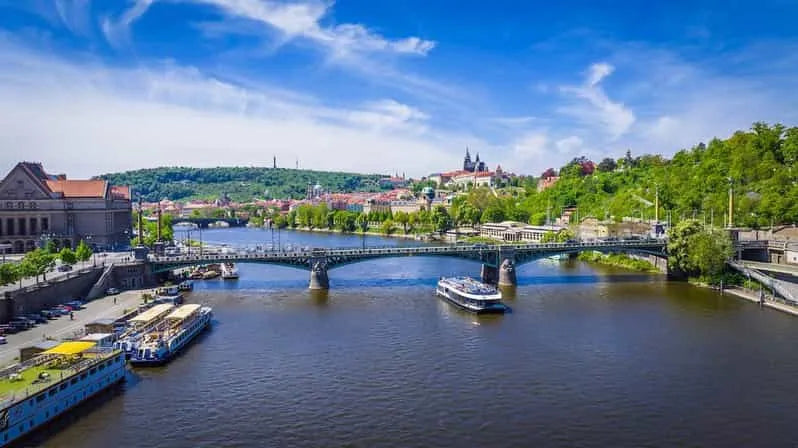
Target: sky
(90, 87)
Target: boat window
(53, 391)
(83, 376)
(63, 386)
(74, 381)
(93, 371)
(41, 397)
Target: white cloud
(569, 145)
(74, 14)
(85, 119)
(593, 107)
(300, 19)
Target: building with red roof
(36, 207)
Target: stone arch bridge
(498, 261)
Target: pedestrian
(114, 300)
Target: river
(590, 356)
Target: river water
(590, 356)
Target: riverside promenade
(753, 296)
(64, 327)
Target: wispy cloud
(122, 118)
(117, 31)
(593, 106)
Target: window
(32, 225)
(21, 224)
(63, 386)
(83, 376)
(93, 371)
(10, 226)
(41, 397)
(45, 224)
(53, 391)
(74, 381)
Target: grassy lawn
(8, 387)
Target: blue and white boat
(471, 295)
(140, 325)
(176, 331)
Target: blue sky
(376, 86)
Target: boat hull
(491, 310)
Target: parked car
(50, 314)
(61, 309)
(7, 329)
(3, 340)
(75, 305)
(64, 268)
(20, 325)
(38, 318)
(112, 291)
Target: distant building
(516, 231)
(546, 182)
(36, 207)
(393, 182)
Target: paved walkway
(105, 258)
(63, 326)
(753, 296)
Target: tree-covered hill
(761, 164)
(239, 183)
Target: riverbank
(63, 327)
(408, 236)
(618, 260)
(753, 296)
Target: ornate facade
(36, 207)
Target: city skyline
(353, 86)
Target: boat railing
(65, 373)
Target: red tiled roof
(78, 188)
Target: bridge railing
(389, 250)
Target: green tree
(39, 262)
(50, 247)
(402, 218)
(386, 227)
(67, 256)
(9, 273)
(708, 252)
(362, 222)
(549, 237)
(441, 219)
(83, 251)
(493, 214)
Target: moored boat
(186, 285)
(229, 271)
(471, 295)
(176, 331)
(38, 390)
(139, 325)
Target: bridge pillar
(507, 275)
(318, 275)
(489, 274)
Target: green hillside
(762, 165)
(240, 183)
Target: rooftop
(78, 188)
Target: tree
(386, 227)
(67, 256)
(50, 247)
(441, 219)
(549, 237)
(39, 262)
(493, 213)
(607, 165)
(9, 273)
(362, 222)
(402, 218)
(83, 251)
(708, 252)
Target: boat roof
(70, 348)
(152, 313)
(184, 311)
(96, 336)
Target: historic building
(36, 207)
(475, 166)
